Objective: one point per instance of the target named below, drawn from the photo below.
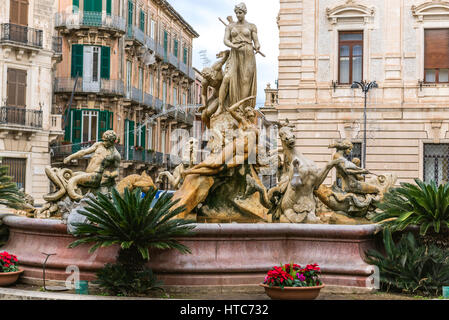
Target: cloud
(203, 15)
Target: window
(18, 12)
(128, 78)
(175, 96)
(150, 137)
(16, 87)
(153, 29)
(175, 47)
(16, 170)
(152, 84)
(350, 57)
(142, 20)
(95, 64)
(436, 162)
(140, 78)
(184, 58)
(90, 126)
(436, 55)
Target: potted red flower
(9, 270)
(292, 282)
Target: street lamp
(365, 86)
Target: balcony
(183, 68)
(158, 104)
(136, 95)
(173, 60)
(135, 33)
(21, 35)
(179, 114)
(148, 99)
(22, 117)
(191, 74)
(107, 87)
(150, 43)
(80, 19)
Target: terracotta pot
(292, 293)
(8, 278)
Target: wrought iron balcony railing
(135, 33)
(136, 95)
(21, 34)
(148, 99)
(89, 19)
(23, 117)
(112, 87)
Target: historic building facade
(403, 45)
(128, 67)
(29, 51)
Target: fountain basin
(222, 254)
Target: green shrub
(116, 279)
(423, 204)
(131, 223)
(411, 267)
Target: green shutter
(142, 20)
(76, 5)
(77, 60)
(165, 42)
(185, 56)
(76, 130)
(105, 62)
(108, 7)
(175, 48)
(130, 13)
(67, 125)
(143, 130)
(104, 115)
(93, 5)
(110, 120)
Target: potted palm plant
(292, 282)
(130, 222)
(9, 269)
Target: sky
(203, 15)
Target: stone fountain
(249, 228)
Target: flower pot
(8, 278)
(292, 293)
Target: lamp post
(366, 87)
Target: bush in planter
(423, 204)
(131, 223)
(410, 267)
(4, 233)
(292, 275)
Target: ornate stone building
(403, 45)
(131, 61)
(29, 52)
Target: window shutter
(75, 6)
(108, 7)
(110, 120)
(11, 87)
(143, 130)
(105, 62)
(130, 13)
(14, 11)
(175, 48)
(23, 12)
(165, 41)
(21, 88)
(76, 130)
(185, 55)
(436, 49)
(103, 124)
(142, 20)
(67, 125)
(77, 60)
